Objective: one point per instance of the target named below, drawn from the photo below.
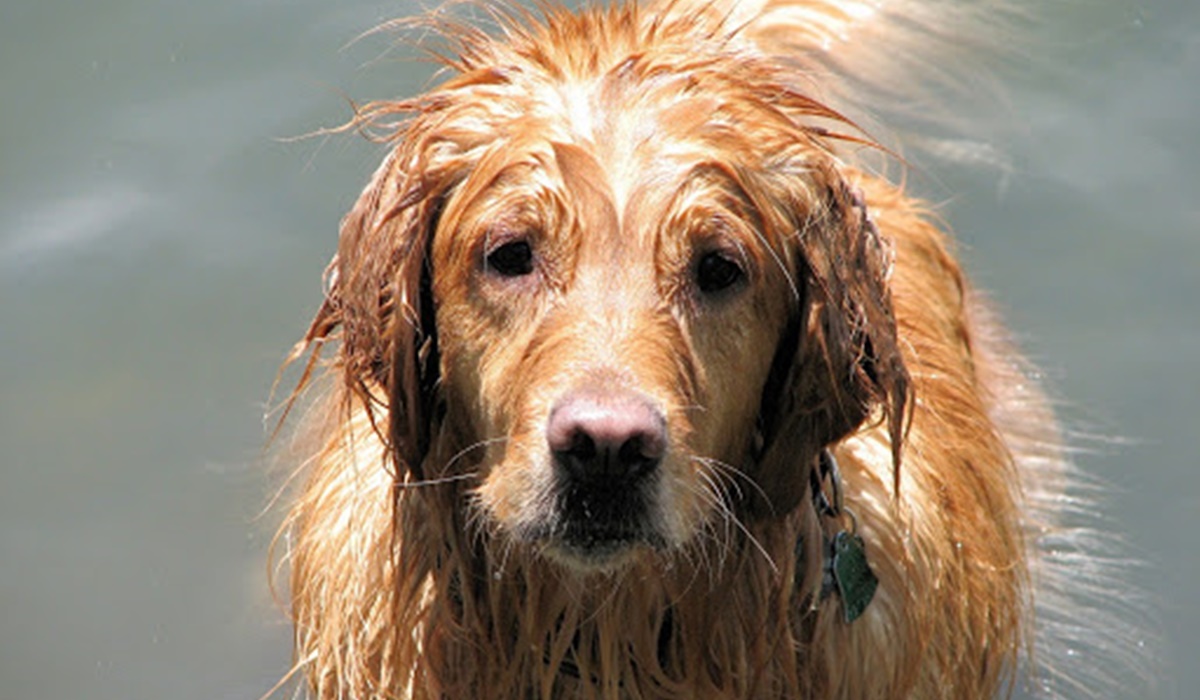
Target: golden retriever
(644, 387)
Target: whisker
(440, 480)
(709, 489)
(471, 448)
(787, 274)
(720, 473)
(724, 508)
(450, 464)
(733, 471)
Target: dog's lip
(585, 536)
(591, 545)
(601, 548)
(595, 536)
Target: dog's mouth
(594, 527)
(590, 549)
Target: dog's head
(630, 298)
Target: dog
(644, 385)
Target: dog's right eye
(513, 259)
(716, 272)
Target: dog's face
(609, 336)
(639, 304)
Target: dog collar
(845, 570)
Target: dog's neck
(499, 616)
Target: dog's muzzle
(607, 448)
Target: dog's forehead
(649, 133)
(622, 207)
(621, 147)
(645, 133)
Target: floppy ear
(838, 360)
(379, 285)
(378, 291)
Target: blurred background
(162, 240)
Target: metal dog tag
(856, 583)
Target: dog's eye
(716, 272)
(513, 259)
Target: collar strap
(831, 505)
(845, 570)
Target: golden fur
(621, 144)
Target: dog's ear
(838, 362)
(379, 293)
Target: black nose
(606, 438)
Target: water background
(161, 247)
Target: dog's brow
(591, 193)
(579, 110)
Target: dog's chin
(590, 548)
(597, 559)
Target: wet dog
(644, 388)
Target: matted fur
(620, 141)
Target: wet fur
(859, 332)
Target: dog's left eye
(716, 272)
(513, 259)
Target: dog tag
(856, 583)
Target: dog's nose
(606, 438)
